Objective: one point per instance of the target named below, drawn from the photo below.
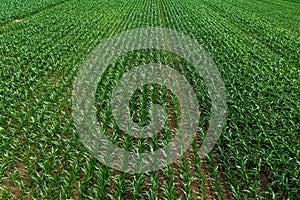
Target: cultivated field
(256, 47)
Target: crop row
(42, 103)
(280, 12)
(16, 10)
(255, 72)
(278, 39)
(256, 156)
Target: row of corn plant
(41, 153)
(268, 125)
(14, 10)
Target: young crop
(255, 45)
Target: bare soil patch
(13, 187)
(265, 181)
(18, 20)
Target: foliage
(256, 51)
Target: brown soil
(264, 181)
(10, 185)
